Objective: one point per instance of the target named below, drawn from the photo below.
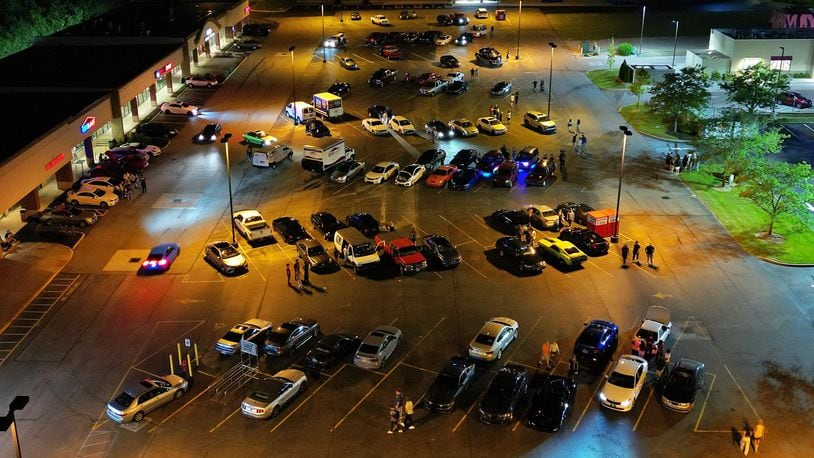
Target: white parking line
(468, 411)
(703, 407)
(588, 404)
(421, 57)
(644, 409)
(462, 231)
(360, 57)
(316, 390)
(742, 392)
(473, 268)
(517, 347)
(479, 220)
(224, 420)
(598, 267)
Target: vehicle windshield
(681, 380)
(369, 349)
(485, 339)
(252, 219)
(441, 172)
(232, 336)
(404, 122)
(621, 380)
(645, 334)
(378, 169)
(572, 250)
(99, 192)
(407, 251)
(466, 124)
(363, 250)
(313, 251)
(590, 338)
(229, 252)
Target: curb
(784, 264)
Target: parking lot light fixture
(225, 141)
(550, 75)
(675, 43)
(777, 80)
(322, 12)
(641, 35)
(293, 84)
(519, 15)
(9, 421)
(626, 133)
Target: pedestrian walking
(746, 437)
(288, 274)
(583, 140)
(542, 85)
(305, 269)
(297, 270)
(472, 72)
(545, 355)
(413, 234)
(561, 218)
(758, 434)
(555, 351)
(579, 128)
(570, 125)
(508, 54)
(625, 250)
(635, 257)
(562, 158)
(649, 250)
(399, 401)
(394, 420)
(574, 142)
(573, 365)
(517, 97)
(634, 347)
(534, 86)
(143, 182)
(509, 117)
(492, 31)
(667, 357)
(408, 415)
(570, 217)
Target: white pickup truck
(251, 225)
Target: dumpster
(601, 221)
(500, 15)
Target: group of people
(651, 350)
(579, 142)
(675, 163)
(566, 217)
(401, 414)
(301, 276)
(649, 251)
(526, 233)
(751, 437)
(548, 354)
(8, 241)
(129, 182)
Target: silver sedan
(377, 347)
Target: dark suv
(382, 77)
(450, 61)
(443, 20)
(156, 130)
(596, 344)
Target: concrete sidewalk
(25, 271)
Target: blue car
(489, 162)
(596, 345)
(465, 179)
(160, 258)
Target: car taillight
(490, 353)
(162, 262)
(145, 263)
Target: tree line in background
(22, 20)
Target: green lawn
(606, 79)
(743, 220)
(645, 121)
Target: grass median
(649, 123)
(606, 79)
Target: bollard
(172, 371)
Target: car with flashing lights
(154, 129)
(528, 157)
(225, 257)
(508, 221)
(479, 30)
(377, 111)
(68, 216)
(112, 184)
(137, 400)
(347, 63)
(580, 211)
(379, 19)
(332, 349)
(539, 121)
(681, 385)
(326, 224)
(457, 87)
(450, 384)
(501, 88)
(390, 52)
(312, 252)
(491, 125)
(463, 127)
(254, 330)
(259, 138)
(347, 171)
(271, 394)
(201, 81)
(160, 258)
(251, 225)
(586, 240)
(541, 174)
(794, 99)
(381, 172)
(377, 347)
(489, 57)
(503, 398)
(440, 177)
(289, 336)
(440, 252)
(596, 344)
(520, 255)
(410, 175)
(337, 40)
(402, 252)
(481, 13)
(505, 175)
(402, 125)
(180, 108)
(290, 229)
(94, 197)
(542, 216)
(364, 223)
(489, 162)
(656, 325)
(551, 403)
(624, 383)
(443, 40)
(431, 159)
(565, 253)
(209, 133)
(493, 338)
(465, 159)
(375, 126)
(339, 89)
(464, 39)
(449, 61)
(465, 179)
(382, 77)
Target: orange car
(441, 176)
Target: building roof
(768, 34)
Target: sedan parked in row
(375, 126)
(377, 347)
(502, 400)
(681, 385)
(410, 175)
(201, 81)
(440, 251)
(255, 330)
(274, 393)
(520, 255)
(586, 240)
(564, 253)
(69, 216)
(551, 403)
(347, 171)
(381, 172)
(348, 63)
(332, 349)
(452, 382)
(508, 221)
(312, 252)
(94, 197)
(624, 383)
(289, 336)
(138, 400)
(495, 335)
(290, 229)
(491, 125)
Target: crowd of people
(675, 162)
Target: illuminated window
(782, 63)
(747, 62)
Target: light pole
(550, 75)
(341, 7)
(9, 421)
(641, 35)
(225, 141)
(293, 85)
(519, 15)
(322, 11)
(777, 80)
(626, 133)
(675, 43)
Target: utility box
(602, 221)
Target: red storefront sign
(161, 71)
(56, 160)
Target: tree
(778, 187)
(637, 87)
(611, 53)
(680, 93)
(754, 87)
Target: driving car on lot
(312, 252)
(150, 150)
(375, 126)
(326, 223)
(70, 216)
(481, 13)
(452, 382)
(464, 39)
(340, 89)
(431, 159)
(376, 111)
(564, 253)
(274, 393)
(507, 221)
(407, 15)
(493, 338)
(410, 175)
(290, 229)
(439, 130)
(586, 240)
(355, 16)
(794, 99)
(656, 324)
(364, 222)
(179, 107)
(390, 52)
(681, 385)
(444, 39)
(160, 258)
(449, 61)
(441, 176)
(540, 122)
(377, 347)
(255, 330)
(464, 179)
(402, 125)
(580, 211)
(520, 255)
(506, 175)
(528, 157)
(489, 162)
(624, 383)
(201, 81)
(259, 138)
(382, 77)
(138, 400)
(316, 128)
(502, 400)
(332, 349)
(489, 57)
(443, 20)
(501, 88)
(289, 336)
(225, 257)
(551, 403)
(440, 251)
(337, 40)
(209, 133)
(541, 174)
(463, 127)
(95, 197)
(348, 63)
(492, 125)
(346, 171)
(381, 172)
(379, 19)
(596, 344)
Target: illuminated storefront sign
(161, 71)
(56, 160)
(247, 9)
(88, 124)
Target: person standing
(561, 218)
(758, 434)
(746, 437)
(288, 274)
(649, 250)
(637, 341)
(394, 420)
(534, 86)
(625, 250)
(562, 158)
(555, 351)
(305, 270)
(570, 126)
(143, 181)
(579, 129)
(570, 217)
(574, 143)
(667, 357)
(399, 401)
(517, 97)
(413, 235)
(492, 32)
(583, 141)
(545, 355)
(297, 270)
(573, 365)
(509, 117)
(635, 257)
(408, 415)
(542, 85)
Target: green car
(259, 138)
(564, 252)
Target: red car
(428, 78)
(402, 251)
(391, 52)
(441, 176)
(794, 99)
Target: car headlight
(200, 137)
(213, 137)
(625, 403)
(602, 397)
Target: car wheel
(303, 387)
(520, 267)
(178, 394)
(401, 270)
(291, 156)
(138, 417)
(102, 204)
(81, 223)
(75, 203)
(209, 85)
(275, 411)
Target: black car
(429, 36)
(440, 251)
(586, 240)
(681, 385)
(489, 162)
(290, 229)
(520, 254)
(209, 134)
(507, 221)
(316, 128)
(444, 20)
(502, 399)
(489, 57)
(449, 61)
(376, 111)
(290, 336)
(332, 349)
(439, 129)
(375, 39)
(408, 15)
(465, 179)
(366, 223)
(580, 211)
(464, 39)
(596, 344)
(156, 130)
(551, 403)
(340, 89)
(453, 380)
(457, 87)
(409, 37)
(506, 175)
(326, 224)
(465, 159)
(382, 77)
(540, 175)
(501, 88)
(247, 45)
(432, 159)
(528, 157)
(258, 30)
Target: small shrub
(625, 49)
(800, 75)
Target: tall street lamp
(627, 133)
(341, 7)
(293, 85)
(322, 11)
(519, 15)
(641, 35)
(777, 80)
(550, 75)
(675, 43)
(18, 403)
(225, 141)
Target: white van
(301, 111)
(355, 249)
(269, 156)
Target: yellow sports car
(564, 252)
